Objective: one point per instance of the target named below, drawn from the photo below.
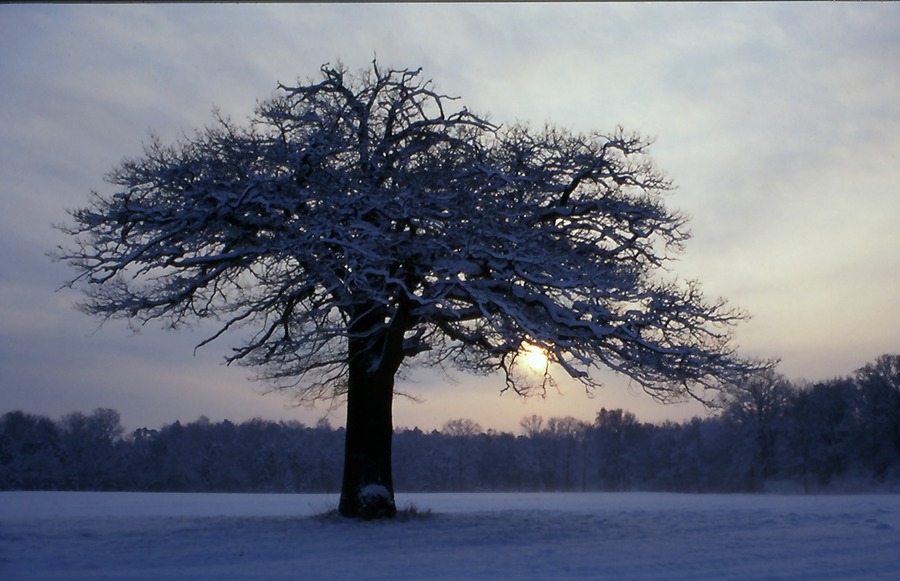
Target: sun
(534, 357)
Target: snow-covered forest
(772, 434)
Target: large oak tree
(360, 223)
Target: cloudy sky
(779, 123)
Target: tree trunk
(367, 491)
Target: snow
(59, 535)
(374, 491)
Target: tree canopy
(361, 223)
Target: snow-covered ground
(468, 536)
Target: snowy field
(70, 536)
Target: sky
(778, 123)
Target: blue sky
(779, 123)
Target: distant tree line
(841, 434)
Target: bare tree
(759, 402)
(879, 384)
(360, 224)
(462, 431)
(461, 428)
(531, 425)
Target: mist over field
(76, 536)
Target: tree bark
(367, 491)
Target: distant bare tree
(531, 425)
(359, 224)
(879, 383)
(759, 402)
(462, 430)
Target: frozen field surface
(59, 535)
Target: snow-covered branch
(363, 208)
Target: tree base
(372, 502)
